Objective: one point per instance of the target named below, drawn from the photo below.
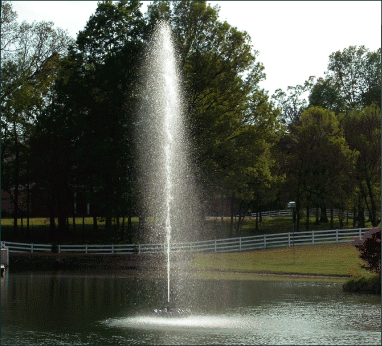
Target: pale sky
(294, 38)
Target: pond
(60, 308)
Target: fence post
(336, 235)
(32, 247)
(265, 241)
(112, 248)
(289, 239)
(86, 248)
(139, 249)
(59, 248)
(313, 237)
(240, 244)
(360, 233)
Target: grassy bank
(371, 285)
(83, 231)
(318, 262)
(326, 260)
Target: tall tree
(227, 112)
(362, 128)
(356, 74)
(318, 159)
(30, 55)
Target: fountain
(166, 179)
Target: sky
(294, 38)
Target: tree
(254, 174)
(221, 76)
(100, 119)
(356, 74)
(30, 55)
(317, 160)
(362, 129)
(324, 94)
(232, 121)
(292, 102)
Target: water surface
(114, 309)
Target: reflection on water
(114, 309)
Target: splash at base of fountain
(167, 311)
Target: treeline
(69, 117)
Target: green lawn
(328, 259)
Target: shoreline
(134, 264)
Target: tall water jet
(168, 197)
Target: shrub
(369, 247)
(370, 285)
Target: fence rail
(312, 213)
(216, 245)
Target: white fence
(216, 245)
(312, 212)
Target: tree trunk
(74, 217)
(317, 222)
(222, 211)
(242, 210)
(117, 227)
(373, 212)
(83, 227)
(361, 213)
(107, 223)
(341, 217)
(324, 216)
(123, 228)
(307, 218)
(62, 226)
(257, 214)
(95, 223)
(361, 218)
(232, 215)
(28, 198)
(52, 221)
(130, 229)
(298, 207)
(16, 181)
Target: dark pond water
(114, 309)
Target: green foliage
(371, 285)
(325, 94)
(317, 160)
(69, 114)
(353, 79)
(232, 122)
(292, 102)
(369, 247)
(362, 130)
(109, 30)
(29, 64)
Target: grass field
(328, 259)
(212, 229)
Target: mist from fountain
(166, 178)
